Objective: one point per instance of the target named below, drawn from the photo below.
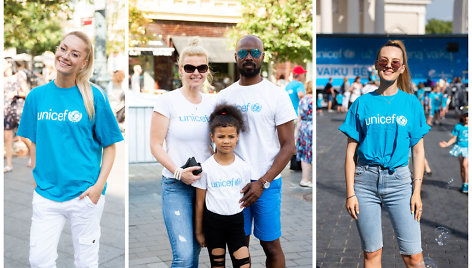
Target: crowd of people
(436, 97)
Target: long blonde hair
(83, 75)
(404, 79)
(194, 49)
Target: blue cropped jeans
(376, 187)
(177, 210)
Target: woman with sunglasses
(382, 126)
(69, 121)
(180, 119)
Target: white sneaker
(306, 184)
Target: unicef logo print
(237, 181)
(401, 120)
(256, 107)
(75, 116)
(349, 54)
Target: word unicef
(194, 118)
(401, 120)
(73, 116)
(226, 183)
(254, 107)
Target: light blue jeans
(177, 210)
(376, 187)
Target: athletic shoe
(465, 188)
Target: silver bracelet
(178, 173)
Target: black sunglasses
(255, 53)
(188, 68)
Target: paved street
(18, 195)
(148, 242)
(337, 238)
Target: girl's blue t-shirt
(68, 145)
(385, 127)
(435, 99)
(420, 93)
(462, 134)
(339, 98)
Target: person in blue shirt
(435, 100)
(460, 139)
(381, 127)
(73, 133)
(339, 101)
(296, 88)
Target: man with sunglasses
(267, 145)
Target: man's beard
(249, 73)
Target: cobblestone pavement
(337, 239)
(18, 193)
(148, 242)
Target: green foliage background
(285, 27)
(436, 26)
(34, 26)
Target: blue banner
(429, 56)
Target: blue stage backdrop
(351, 55)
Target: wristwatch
(265, 184)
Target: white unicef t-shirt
(188, 133)
(264, 106)
(224, 184)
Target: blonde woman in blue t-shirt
(381, 127)
(69, 121)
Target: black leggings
(222, 230)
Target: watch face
(266, 184)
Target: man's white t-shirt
(188, 133)
(264, 107)
(224, 185)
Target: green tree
(436, 26)
(34, 26)
(285, 27)
(137, 26)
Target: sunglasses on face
(188, 68)
(395, 63)
(255, 53)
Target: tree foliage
(34, 26)
(285, 27)
(436, 26)
(137, 26)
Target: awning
(219, 48)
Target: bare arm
(444, 144)
(199, 205)
(253, 190)
(95, 191)
(418, 169)
(159, 128)
(352, 204)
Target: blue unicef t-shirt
(385, 127)
(462, 134)
(420, 93)
(435, 100)
(292, 89)
(339, 99)
(68, 145)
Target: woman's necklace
(389, 98)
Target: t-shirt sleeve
(456, 130)
(351, 126)
(162, 105)
(27, 127)
(284, 109)
(106, 128)
(419, 127)
(202, 182)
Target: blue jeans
(177, 209)
(376, 187)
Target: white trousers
(48, 221)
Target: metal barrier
(138, 131)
